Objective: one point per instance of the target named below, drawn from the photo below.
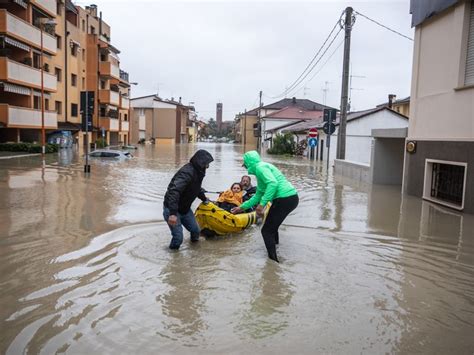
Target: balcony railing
(109, 124)
(123, 76)
(109, 69)
(48, 5)
(125, 103)
(21, 117)
(124, 126)
(26, 32)
(22, 74)
(109, 97)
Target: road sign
(329, 114)
(329, 128)
(312, 142)
(313, 133)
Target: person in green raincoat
(273, 187)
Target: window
(58, 107)
(83, 83)
(74, 50)
(36, 102)
(36, 60)
(83, 25)
(58, 73)
(125, 117)
(83, 54)
(73, 79)
(141, 112)
(102, 111)
(469, 76)
(59, 42)
(103, 57)
(103, 84)
(92, 30)
(74, 110)
(445, 182)
(46, 104)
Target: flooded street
(85, 265)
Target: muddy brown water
(84, 265)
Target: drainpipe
(65, 66)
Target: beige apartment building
(161, 120)
(439, 157)
(78, 56)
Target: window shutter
(469, 78)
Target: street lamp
(42, 23)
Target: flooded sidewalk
(84, 265)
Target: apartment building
(77, 56)
(439, 157)
(161, 120)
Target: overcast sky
(228, 51)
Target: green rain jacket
(271, 183)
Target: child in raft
(231, 198)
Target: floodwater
(84, 265)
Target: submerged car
(109, 153)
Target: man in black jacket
(183, 189)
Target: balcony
(109, 124)
(109, 97)
(47, 5)
(125, 103)
(124, 126)
(25, 32)
(109, 69)
(21, 117)
(123, 76)
(22, 74)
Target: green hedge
(283, 144)
(27, 147)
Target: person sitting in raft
(231, 198)
(249, 189)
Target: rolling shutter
(469, 78)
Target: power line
(382, 25)
(295, 83)
(321, 57)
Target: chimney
(294, 100)
(391, 99)
(180, 99)
(93, 10)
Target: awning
(38, 93)
(75, 43)
(15, 89)
(15, 43)
(68, 126)
(22, 3)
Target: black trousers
(280, 209)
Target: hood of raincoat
(251, 159)
(201, 159)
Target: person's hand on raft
(172, 220)
(260, 210)
(236, 210)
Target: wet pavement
(84, 265)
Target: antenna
(350, 108)
(305, 89)
(325, 91)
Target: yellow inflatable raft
(213, 220)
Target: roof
(295, 112)
(290, 124)
(303, 103)
(352, 116)
(422, 10)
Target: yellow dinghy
(213, 220)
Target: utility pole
(341, 141)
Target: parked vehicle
(109, 153)
(62, 138)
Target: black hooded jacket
(185, 185)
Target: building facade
(77, 56)
(162, 121)
(439, 157)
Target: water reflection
(363, 269)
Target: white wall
(437, 110)
(268, 123)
